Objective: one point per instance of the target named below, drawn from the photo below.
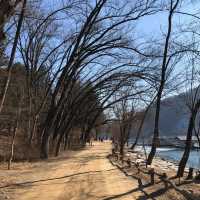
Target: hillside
(174, 116)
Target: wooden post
(197, 175)
(190, 174)
(129, 163)
(140, 182)
(116, 156)
(179, 180)
(113, 151)
(137, 165)
(164, 179)
(122, 159)
(152, 174)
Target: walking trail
(80, 175)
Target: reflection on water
(174, 154)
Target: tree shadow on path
(56, 178)
(140, 188)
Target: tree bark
(45, 146)
(15, 132)
(33, 130)
(155, 142)
(188, 144)
(9, 69)
(7, 10)
(165, 63)
(58, 145)
(44, 150)
(141, 125)
(12, 146)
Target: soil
(76, 175)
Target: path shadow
(121, 195)
(140, 188)
(77, 158)
(153, 195)
(56, 178)
(145, 195)
(184, 181)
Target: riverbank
(174, 155)
(161, 166)
(165, 164)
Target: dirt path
(77, 175)
(85, 175)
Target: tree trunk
(12, 147)
(64, 132)
(121, 142)
(96, 134)
(9, 69)
(141, 125)
(33, 129)
(45, 146)
(15, 132)
(165, 64)
(58, 145)
(188, 144)
(7, 10)
(155, 142)
(121, 149)
(65, 143)
(29, 108)
(46, 134)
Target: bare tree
(165, 63)
(98, 37)
(124, 113)
(40, 58)
(144, 114)
(192, 99)
(12, 56)
(7, 8)
(16, 126)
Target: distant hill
(174, 117)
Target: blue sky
(156, 24)
(149, 26)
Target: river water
(174, 154)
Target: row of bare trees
(176, 51)
(84, 59)
(71, 74)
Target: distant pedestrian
(91, 141)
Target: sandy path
(85, 175)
